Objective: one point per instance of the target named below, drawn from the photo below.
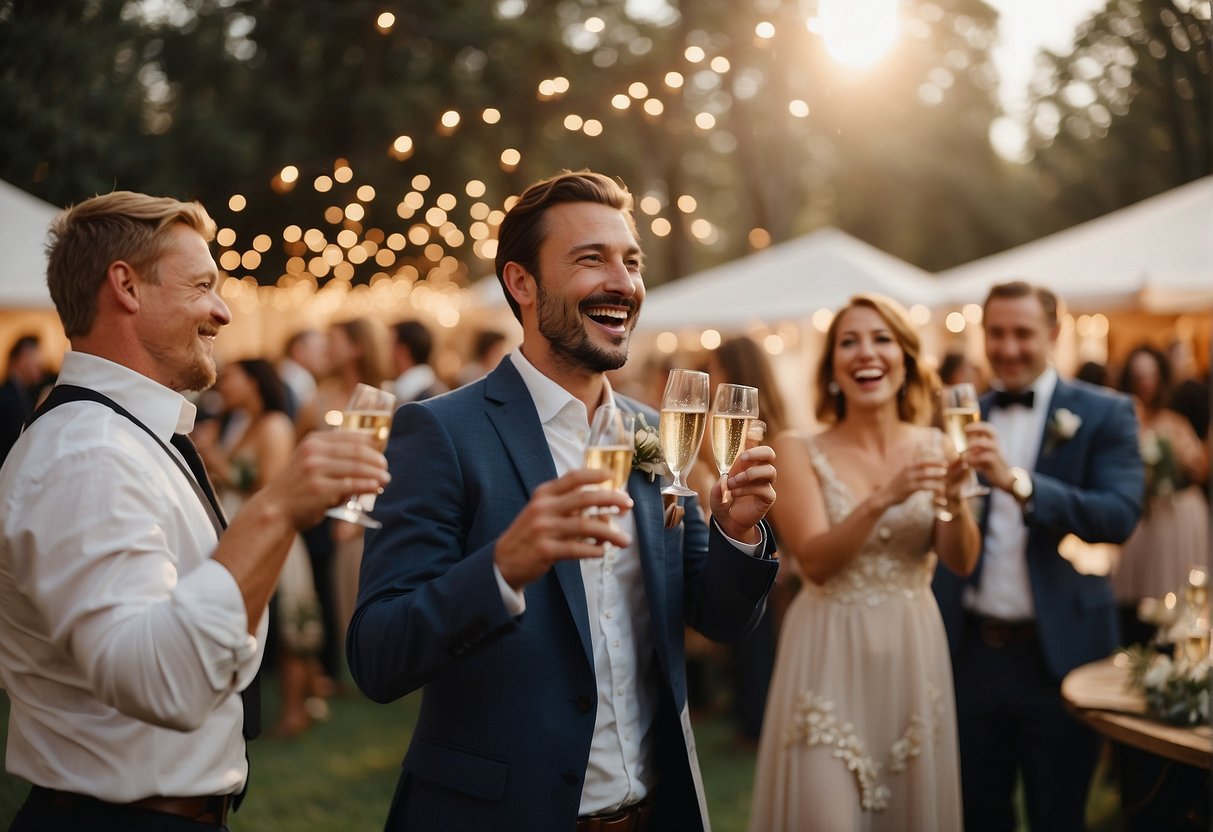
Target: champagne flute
(684, 409)
(960, 408)
(611, 445)
(929, 448)
(1196, 595)
(368, 411)
(733, 411)
(1196, 641)
(609, 449)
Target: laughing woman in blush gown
(860, 728)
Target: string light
(483, 218)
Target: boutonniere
(1061, 428)
(648, 457)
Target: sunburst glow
(858, 32)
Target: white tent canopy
(24, 220)
(789, 281)
(1155, 255)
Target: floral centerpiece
(1176, 689)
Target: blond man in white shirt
(128, 625)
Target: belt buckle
(994, 634)
(217, 807)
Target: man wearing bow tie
(1060, 458)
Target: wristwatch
(1021, 485)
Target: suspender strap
(64, 393)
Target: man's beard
(564, 330)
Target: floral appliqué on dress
(815, 723)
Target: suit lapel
(512, 412)
(649, 514)
(1063, 396)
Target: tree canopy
(346, 141)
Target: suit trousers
(1012, 721)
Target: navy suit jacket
(508, 704)
(1090, 485)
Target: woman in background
(254, 449)
(860, 729)
(1173, 535)
(741, 361)
(358, 354)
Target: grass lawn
(339, 776)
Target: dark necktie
(1004, 398)
(251, 695)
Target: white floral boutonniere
(648, 457)
(1061, 428)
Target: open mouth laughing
(611, 317)
(868, 378)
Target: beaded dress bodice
(895, 561)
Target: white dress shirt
(123, 646)
(1004, 590)
(620, 769)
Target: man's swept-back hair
(1022, 289)
(522, 232)
(86, 238)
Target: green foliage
(209, 98)
(1129, 113)
(206, 98)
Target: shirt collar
(549, 397)
(163, 410)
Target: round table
(1096, 693)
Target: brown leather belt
(210, 809)
(997, 633)
(634, 818)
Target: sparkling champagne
(681, 432)
(1196, 645)
(377, 423)
(954, 421)
(615, 460)
(728, 439)
(1196, 596)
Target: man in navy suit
(551, 664)
(1060, 458)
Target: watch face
(1021, 485)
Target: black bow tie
(1004, 398)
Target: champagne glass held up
(733, 410)
(369, 411)
(960, 408)
(684, 409)
(610, 448)
(929, 448)
(611, 445)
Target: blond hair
(87, 238)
